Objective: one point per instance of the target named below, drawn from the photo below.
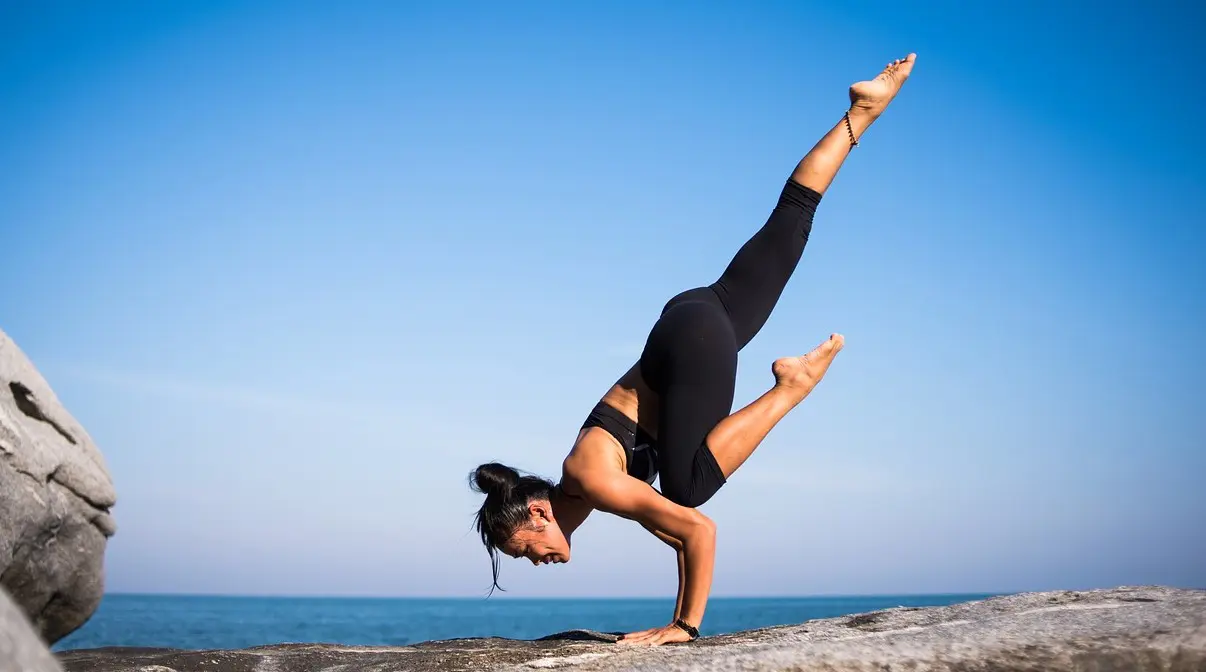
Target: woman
(669, 415)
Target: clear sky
(299, 267)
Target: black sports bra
(639, 447)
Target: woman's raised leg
(701, 442)
(754, 280)
(733, 439)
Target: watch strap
(688, 628)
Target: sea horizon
(233, 621)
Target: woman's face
(540, 540)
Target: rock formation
(55, 496)
(1133, 629)
(21, 650)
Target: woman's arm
(622, 495)
(682, 574)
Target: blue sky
(299, 267)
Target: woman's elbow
(703, 530)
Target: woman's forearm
(682, 566)
(699, 557)
(632, 498)
(682, 584)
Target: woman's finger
(654, 637)
(647, 637)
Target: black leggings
(690, 357)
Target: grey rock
(55, 497)
(1133, 629)
(21, 650)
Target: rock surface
(1132, 629)
(21, 650)
(55, 496)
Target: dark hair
(506, 507)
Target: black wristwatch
(688, 628)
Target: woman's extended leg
(701, 444)
(735, 438)
(754, 280)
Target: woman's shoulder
(594, 451)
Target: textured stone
(1133, 629)
(55, 496)
(20, 648)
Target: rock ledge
(1128, 628)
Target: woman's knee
(688, 497)
(694, 491)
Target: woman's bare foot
(803, 373)
(871, 97)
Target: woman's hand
(666, 634)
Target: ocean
(213, 622)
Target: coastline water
(227, 622)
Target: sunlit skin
(594, 474)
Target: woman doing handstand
(670, 414)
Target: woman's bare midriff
(632, 397)
(595, 448)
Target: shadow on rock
(581, 636)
